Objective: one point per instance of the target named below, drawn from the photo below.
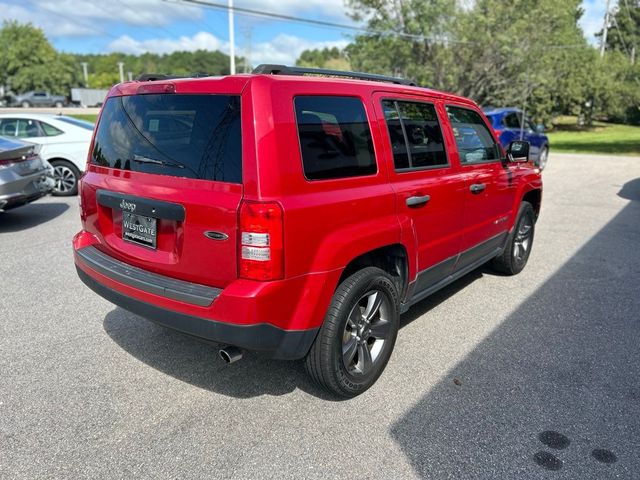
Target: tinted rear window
(192, 136)
(335, 138)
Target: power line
(338, 26)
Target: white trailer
(88, 97)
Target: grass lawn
(87, 117)
(609, 138)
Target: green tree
(29, 62)
(331, 58)
(522, 52)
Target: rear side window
(335, 138)
(512, 121)
(415, 134)
(192, 136)
(50, 130)
(474, 140)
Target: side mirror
(518, 152)
(540, 128)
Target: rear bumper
(280, 317)
(16, 190)
(281, 344)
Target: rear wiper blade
(142, 159)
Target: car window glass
(335, 138)
(27, 128)
(50, 130)
(415, 134)
(396, 135)
(474, 140)
(190, 136)
(8, 127)
(529, 124)
(512, 121)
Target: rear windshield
(192, 136)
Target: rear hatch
(165, 182)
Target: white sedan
(65, 143)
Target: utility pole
(232, 47)
(121, 70)
(605, 27)
(85, 73)
(130, 75)
(247, 54)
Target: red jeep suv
(296, 214)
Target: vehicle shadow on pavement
(195, 361)
(554, 389)
(29, 216)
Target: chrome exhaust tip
(230, 354)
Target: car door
(428, 186)
(489, 187)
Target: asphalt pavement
(526, 377)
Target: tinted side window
(474, 140)
(335, 138)
(415, 134)
(512, 121)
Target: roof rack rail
(270, 69)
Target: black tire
(326, 361)
(25, 104)
(59, 105)
(510, 261)
(66, 175)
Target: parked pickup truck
(297, 214)
(38, 99)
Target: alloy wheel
(522, 242)
(367, 329)
(65, 179)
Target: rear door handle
(477, 187)
(417, 201)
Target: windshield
(193, 136)
(77, 122)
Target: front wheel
(518, 248)
(358, 335)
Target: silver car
(24, 176)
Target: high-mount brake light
(149, 88)
(261, 241)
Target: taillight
(260, 241)
(497, 133)
(12, 161)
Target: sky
(164, 26)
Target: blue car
(507, 123)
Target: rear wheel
(518, 248)
(25, 104)
(66, 177)
(358, 334)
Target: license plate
(139, 229)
